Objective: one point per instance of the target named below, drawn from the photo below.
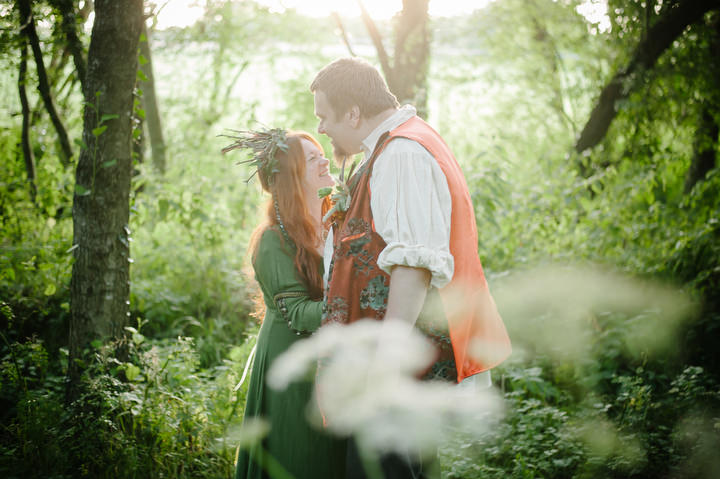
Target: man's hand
(408, 288)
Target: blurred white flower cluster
(367, 387)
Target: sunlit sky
(184, 12)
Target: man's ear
(354, 116)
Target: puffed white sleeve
(411, 208)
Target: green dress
(303, 451)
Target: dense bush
(158, 414)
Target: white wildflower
(367, 387)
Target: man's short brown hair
(351, 81)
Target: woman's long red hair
(287, 189)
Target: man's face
(340, 130)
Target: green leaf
(50, 290)
(99, 130)
(105, 118)
(141, 76)
(141, 113)
(8, 274)
(80, 143)
(138, 338)
(131, 371)
(198, 214)
(323, 192)
(141, 58)
(80, 190)
(163, 206)
(108, 164)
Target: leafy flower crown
(263, 145)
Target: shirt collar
(401, 115)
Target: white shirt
(410, 203)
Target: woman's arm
(275, 271)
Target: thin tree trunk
(343, 32)
(150, 105)
(553, 62)
(412, 53)
(377, 42)
(705, 150)
(705, 145)
(406, 76)
(671, 24)
(69, 21)
(25, 135)
(99, 287)
(27, 28)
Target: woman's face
(317, 173)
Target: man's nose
(321, 129)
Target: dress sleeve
(275, 271)
(411, 207)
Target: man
(406, 249)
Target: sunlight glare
(378, 9)
(596, 12)
(178, 13)
(182, 13)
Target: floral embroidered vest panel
(475, 337)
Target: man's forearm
(408, 288)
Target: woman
(287, 258)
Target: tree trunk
(69, 21)
(99, 288)
(343, 32)
(412, 52)
(704, 149)
(27, 28)
(407, 74)
(25, 135)
(377, 42)
(671, 24)
(705, 146)
(553, 62)
(150, 106)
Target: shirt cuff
(440, 263)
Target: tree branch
(66, 9)
(554, 62)
(377, 41)
(28, 30)
(343, 32)
(150, 103)
(412, 52)
(25, 135)
(671, 24)
(705, 144)
(704, 152)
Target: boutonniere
(339, 195)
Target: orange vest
(357, 287)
